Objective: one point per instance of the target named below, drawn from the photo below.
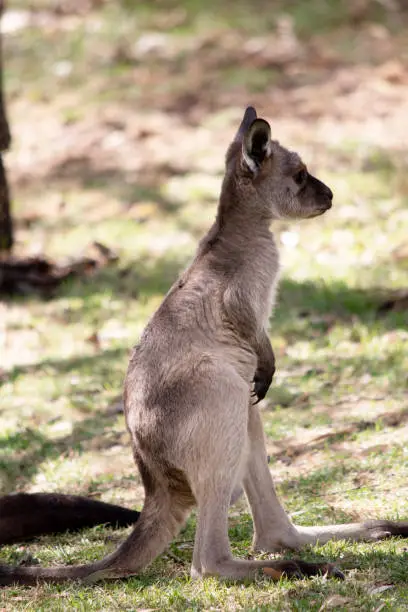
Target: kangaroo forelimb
(265, 368)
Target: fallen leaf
(380, 589)
(334, 602)
(272, 573)
(94, 339)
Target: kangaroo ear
(256, 145)
(249, 117)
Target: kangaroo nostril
(329, 193)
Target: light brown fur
(196, 435)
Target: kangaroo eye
(300, 177)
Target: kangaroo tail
(27, 515)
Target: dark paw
(262, 382)
(296, 569)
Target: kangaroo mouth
(322, 209)
(318, 212)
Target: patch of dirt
(288, 449)
(317, 90)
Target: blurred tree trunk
(6, 223)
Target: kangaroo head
(273, 178)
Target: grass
(130, 158)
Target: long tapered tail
(156, 526)
(27, 515)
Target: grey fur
(196, 435)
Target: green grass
(336, 455)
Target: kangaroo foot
(296, 569)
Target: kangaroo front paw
(262, 381)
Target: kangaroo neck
(240, 250)
(240, 232)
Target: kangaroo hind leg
(219, 475)
(212, 551)
(167, 505)
(165, 510)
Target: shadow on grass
(333, 302)
(298, 309)
(28, 449)
(82, 174)
(139, 280)
(91, 364)
(24, 451)
(289, 450)
(143, 278)
(312, 488)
